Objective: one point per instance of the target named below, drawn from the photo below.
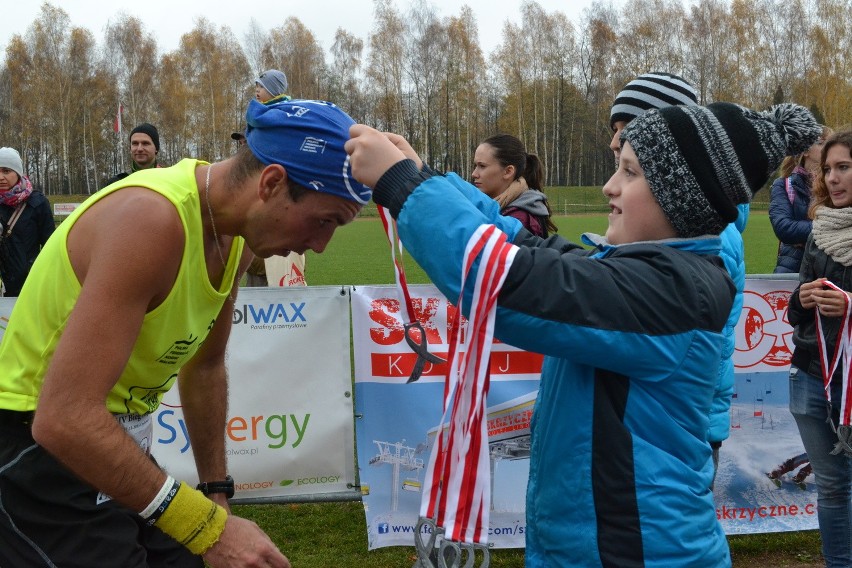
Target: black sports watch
(226, 487)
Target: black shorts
(49, 517)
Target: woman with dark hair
(505, 172)
(818, 313)
(788, 204)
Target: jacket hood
(703, 245)
(532, 201)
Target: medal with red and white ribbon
(842, 352)
(456, 503)
(457, 500)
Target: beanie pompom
(797, 126)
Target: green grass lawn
(359, 252)
(332, 535)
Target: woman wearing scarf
(505, 172)
(819, 373)
(26, 222)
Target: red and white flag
(116, 124)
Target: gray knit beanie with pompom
(702, 161)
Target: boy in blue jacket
(658, 90)
(632, 331)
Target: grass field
(359, 254)
(332, 535)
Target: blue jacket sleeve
(787, 228)
(556, 297)
(733, 255)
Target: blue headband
(307, 138)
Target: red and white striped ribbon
(399, 270)
(415, 336)
(457, 478)
(842, 350)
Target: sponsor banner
(289, 430)
(63, 209)
(398, 421)
(764, 334)
(763, 432)
(289, 426)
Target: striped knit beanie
(650, 91)
(701, 162)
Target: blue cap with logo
(307, 138)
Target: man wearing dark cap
(144, 147)
(135, 293)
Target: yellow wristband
(193, 520)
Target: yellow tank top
(170, 334)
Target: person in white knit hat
(26, 222)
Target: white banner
(763, 432)
(398, 421)
(289, 429)
(764, 334)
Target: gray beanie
(9, 158)
(274, 81)
(650, 91)
(701, 162)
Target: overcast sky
(167, 20)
